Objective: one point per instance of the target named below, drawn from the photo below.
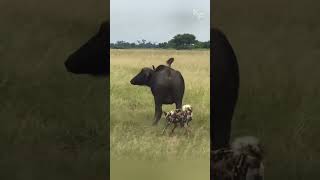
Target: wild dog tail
(170, 61)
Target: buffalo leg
(179, 105)
(157, 114)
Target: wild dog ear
(153, 67)
(165, 113)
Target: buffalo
(166, 84)
(92, 57)
(225, 86)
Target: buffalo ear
(148, 74)
(153, 67)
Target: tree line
(180, 41)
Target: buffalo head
(92, 57)
(143, 77)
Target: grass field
(132, 137)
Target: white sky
(158, 20)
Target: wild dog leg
(175, 125)
(187, 128)
(164, 130)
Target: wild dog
(242, 160)
(179, 116)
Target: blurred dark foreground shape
(224, 94)
(93, 56)
(242, 161)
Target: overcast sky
(158, 20)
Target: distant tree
(202, 45)
(121, 45)
(206, 44)
(132, 45)
(182, 41)
(163, 45)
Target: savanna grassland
(132, 136)
(53, 123)
(278, 47)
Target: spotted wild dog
(242, 160)
(179, 116)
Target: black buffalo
(166, 84)
(92, 57)
(225, 86)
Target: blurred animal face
(92, 57)
(143, 77)
(187, 107)
(168, 114)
